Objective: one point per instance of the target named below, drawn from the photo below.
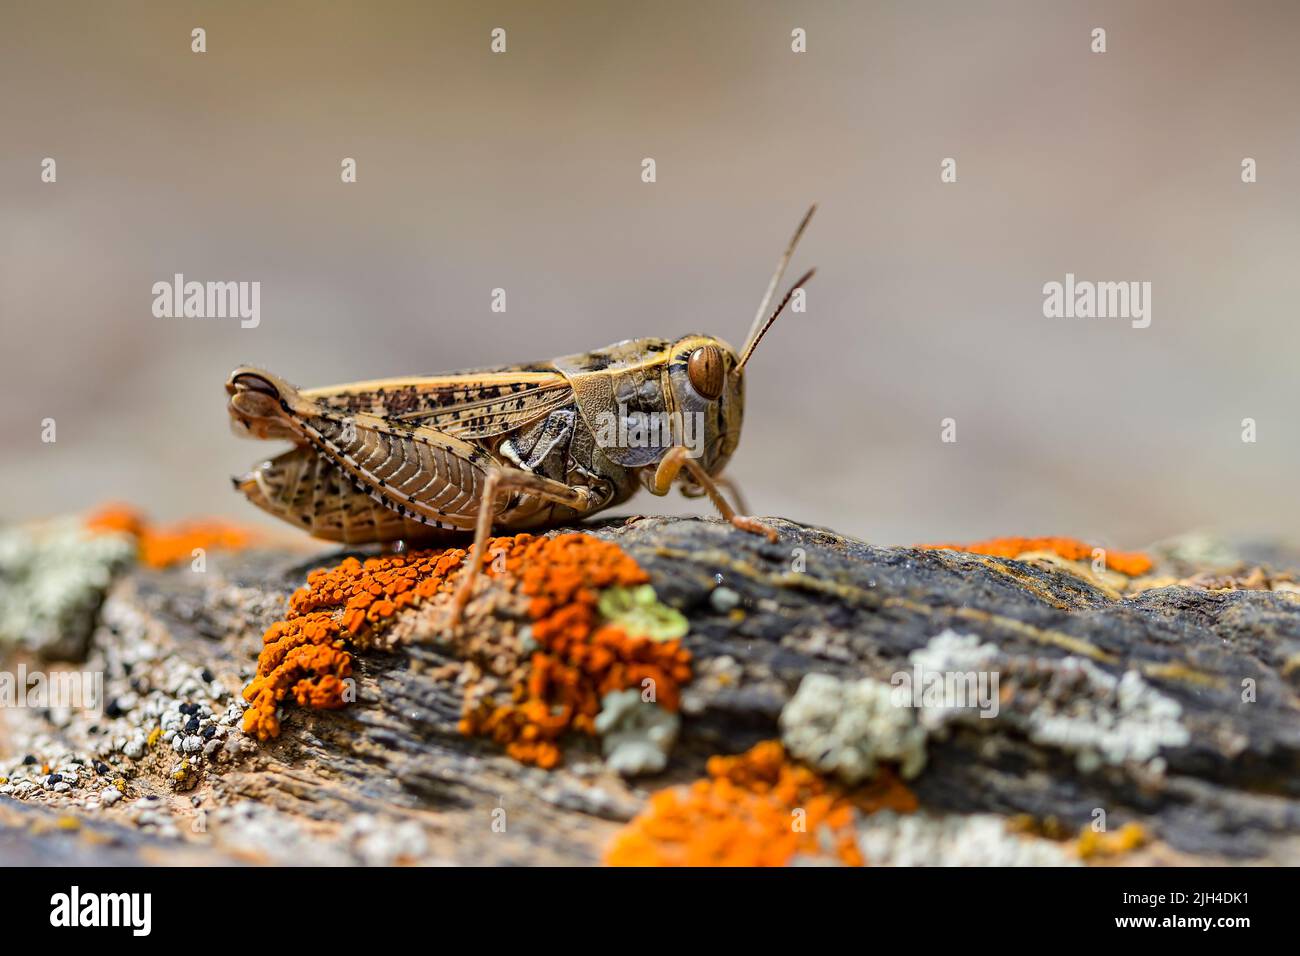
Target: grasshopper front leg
(670, 467)
(724, 484)
(497, 481)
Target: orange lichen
(579, 658)
(161, 546)
(1130, 563)
(116, 519)
(171, 544)
(755, 809)
(307, 654)
(306, 657)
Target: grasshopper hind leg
(497, 482)
(311, 493)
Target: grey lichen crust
(1069, 703)
(52, 580)
(849, 727)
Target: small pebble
(724, 599)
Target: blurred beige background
(523, 171)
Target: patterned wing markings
(462, 404)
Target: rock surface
(1174, 707)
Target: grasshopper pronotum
(517, 448)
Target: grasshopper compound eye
(704, 369)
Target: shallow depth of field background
(523, 171)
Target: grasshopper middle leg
(670, 467)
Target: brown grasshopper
(518, 448)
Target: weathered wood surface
(390, 779)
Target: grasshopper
(519, 447)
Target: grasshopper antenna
(762, 329)
(758, 324)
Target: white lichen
(949, 650)
(849, 728)
(1070, 703)
(636, 735)
(1117, 719)
(891, 839)
(946, 656)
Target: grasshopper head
(709, 392)
(259, 404)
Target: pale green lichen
(52, 579)
(636, 735)
(1201, 550)
(640, 613)
(849, 728)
